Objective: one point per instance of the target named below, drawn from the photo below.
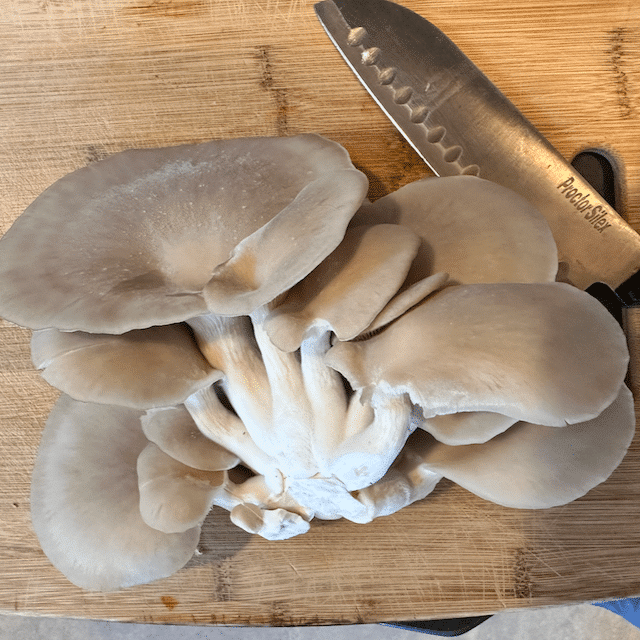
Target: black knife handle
(629, 291)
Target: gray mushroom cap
(546, 353)
(472, 229)
(469, 427)
(173, 430)
(174, 497)
(135, 240)
(347, 291)
(532, 466)
(141, 369)
(85, 501)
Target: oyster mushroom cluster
(233, 323)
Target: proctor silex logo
(596, 216)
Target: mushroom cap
(174, 497)
(347, 291)
(141, 369)
(174, 431)
(530, 466)
(471, 228)
(85, 501)
(545, 353)
(466, 427)
(405, 299)
(133, 240)
(288, 247)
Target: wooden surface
(80, 79)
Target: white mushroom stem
(288, 430)
(312, 432)
(228, 344)
(255, 508)
(225, 428)
(349, 440)
(408, 480)
(256, 491)
(324, 388)
(272, 524)
(367, 450)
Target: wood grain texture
(81, 79)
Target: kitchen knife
(460, 123)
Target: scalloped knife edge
(459, 122)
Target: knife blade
(460, 123)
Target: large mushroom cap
(133, 240)
(546, 353)
(85, 501)
(472, 229)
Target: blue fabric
(628, 608)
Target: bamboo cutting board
(81, 79)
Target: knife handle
(629, 291)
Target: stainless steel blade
(460, 123)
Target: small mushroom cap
(132, 241)
(173, 496)
(472, 229)
(546, 353)
(468, 427)
(405, 299)
(141, 369)
(348, 290)
(535, 467)
(174, 431)
(85, 501)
